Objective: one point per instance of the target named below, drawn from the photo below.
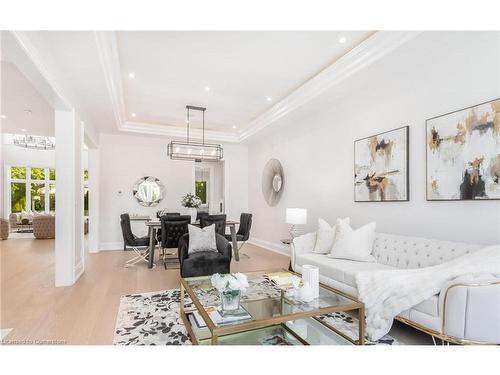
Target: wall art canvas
(463, 154)
(381, 167)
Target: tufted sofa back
(416, 252)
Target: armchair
(205, 263)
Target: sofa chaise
(467, 310)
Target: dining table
(154, 225)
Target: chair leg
(140, 256)
(243, 255)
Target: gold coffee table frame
(217, 331)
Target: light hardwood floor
(86, 312)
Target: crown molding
(48, 84)
(176, 132)
(107, 48)
(366, 53)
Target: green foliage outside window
(86, 201)
(38, 173)
(52, 173)
(38, 197)
(18, 173)
(201, 191)
(85, 175)
(18, 196)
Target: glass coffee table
(273, 317)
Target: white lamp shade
(296, 216)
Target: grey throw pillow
(201, 239)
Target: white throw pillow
(201, 239)
(325, 236)
(353, 244)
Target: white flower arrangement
(230, 281)
(190, 201)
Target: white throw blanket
(387, 293)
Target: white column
(93, 200)
(69, 198)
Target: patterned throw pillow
(201, 239)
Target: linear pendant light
(194, 151)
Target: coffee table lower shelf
(308, 331)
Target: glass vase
(230, 300)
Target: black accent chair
(243, 233)
(173, 227)
(140, 245)
(205, 263)
(218, 220)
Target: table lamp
(296, 217)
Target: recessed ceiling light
(207, 89)
(133, 114)
(131, 75)
(342, 39)
(23, 130)
(268, 99)
(3, 116)
(234, 126)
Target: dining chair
(173, 227)
(199, 214)
(218, 220)
(140, 245)
(243, 233)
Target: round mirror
(149, 191)
(273, 182)
(277, 183)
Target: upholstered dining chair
(199, 215)
(173, 227)
(205, 263)
(159, 215)
(243, 233)
(218, 220)
(140, 245)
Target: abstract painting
(463, 154)
(381, 167)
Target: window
(18, 196)
(201, 191)
(34, 188)
(37, 197)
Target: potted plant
(230, 287)
(191, 202)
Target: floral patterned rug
(153, 319)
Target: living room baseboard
(268, 245)
(108, 246)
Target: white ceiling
(241, 69)
(171, 70)
(18, 97)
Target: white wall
(124, 159)
(433, 74)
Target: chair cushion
(141, 241)
(342, 270)
(429, 306)
(204, 263)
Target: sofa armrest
(302, 244)
(223, 246)
(470, 307)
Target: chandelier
(36, 142)
(194, 151)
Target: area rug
(153, 319)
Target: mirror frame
(142, 202)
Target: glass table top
(264, 300)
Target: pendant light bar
(194, 151)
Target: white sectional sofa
(467, 310)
